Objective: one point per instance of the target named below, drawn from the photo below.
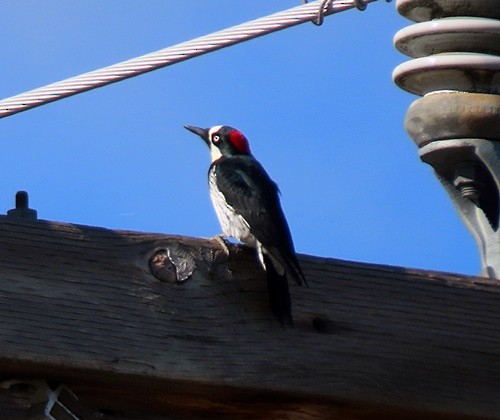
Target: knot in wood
(173, 263)
(162, 267)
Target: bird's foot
(221, 240)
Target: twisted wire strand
(170, 55)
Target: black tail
(279, 294)
(294, 268)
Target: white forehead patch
(213, 130)
(214, 150)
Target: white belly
(232, 224)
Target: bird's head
(222, 140)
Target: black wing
(252, 193)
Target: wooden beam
(80, 305)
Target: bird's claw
(221, 240)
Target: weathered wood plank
(79, 304)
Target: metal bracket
(469, 170)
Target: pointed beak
(202, 132)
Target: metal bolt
(466, 182)
(22, 200)
(22, 210)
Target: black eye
(215, 138)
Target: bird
(247, 203)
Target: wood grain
(79, 304)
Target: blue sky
(317, 103)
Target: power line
(174, 54)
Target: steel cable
(180, 52)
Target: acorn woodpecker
(248, 207)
